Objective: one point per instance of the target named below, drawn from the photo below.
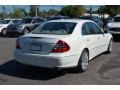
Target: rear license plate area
(35, 47)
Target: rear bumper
(46, 60)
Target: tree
(52, 12)
(4, 11)
(102, 11)
(42, 13)
(72, 11)
(25, 12)
(18, 13)
(112, 10)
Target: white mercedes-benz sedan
(63, 44)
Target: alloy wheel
(84, 62)
(26, 31)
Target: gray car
(25, 26)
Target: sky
(9, 8)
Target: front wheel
(4, 32)
(25, 31)
(83, 62)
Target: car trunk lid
(39, 44)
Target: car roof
(70, 20)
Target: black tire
(4, 32)
(109, 50)
(83, 64)
(26, 31)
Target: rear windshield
(56, 28)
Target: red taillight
(60, 47)
(17, 44)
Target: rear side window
(87, 29)
(92, 30)
(96, 29)
(57, 28)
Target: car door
(101, 39)
(90, 39)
